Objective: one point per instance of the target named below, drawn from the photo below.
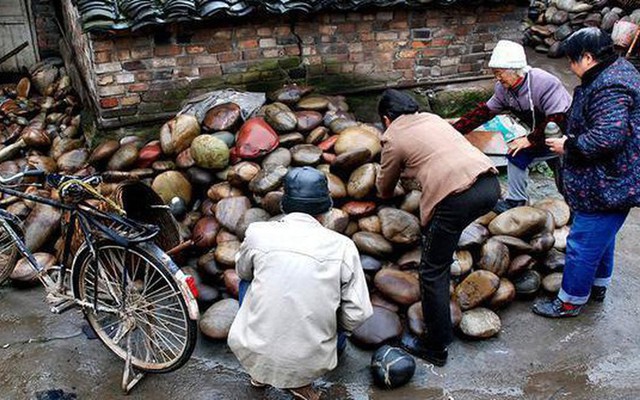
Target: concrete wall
(139, 77)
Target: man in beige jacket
(459, 184)
(307, 285)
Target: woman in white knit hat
(533, 96)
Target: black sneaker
(417, 347)
(506, 204)
(598, 293)
(555, 308)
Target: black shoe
(418, 348)
(506, 204)
(555, 308)
(598, 293)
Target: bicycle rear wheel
(8, 250)
(131, 297)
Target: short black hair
(395, 103)
(590, 40)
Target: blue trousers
(590, 251)
(342, 336)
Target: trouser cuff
(575, 300)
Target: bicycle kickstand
(130, 377)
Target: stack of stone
(221, 173)
(554, 21)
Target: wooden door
(16, 28)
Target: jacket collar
(592, 73)
(301, 218)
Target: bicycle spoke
(179, 339)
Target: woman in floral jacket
(601, 167)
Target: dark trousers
(439, 241)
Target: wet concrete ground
(594, 356)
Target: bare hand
(556, 145)
(518, 144)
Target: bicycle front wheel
(132, 302)
(8, 250)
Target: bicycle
(140, 305)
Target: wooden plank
(16, 28)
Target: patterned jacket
(602, 152)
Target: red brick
(123, 55)
(143, 76)
(218, 47)
(195, 49)
(210, 71)
(403, 64)
(248, 44)
(102, 56)
(138, 87)
(184, 61)
(229, 56)
(282, 31)
(109, 102)
(292, 50)
(440, 42)
(251, 54)
(99, 45)
(265, 32)
(346, 28)
(139, 53)
(167, 50)
(407, 54)
(432, 52)
(130, 100)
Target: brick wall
(47, 30)
(143, 77)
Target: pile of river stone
(221, 173)
(556, 20)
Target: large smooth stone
(494, 257)
(172, 184)
(205, 231)
(231, 282)
(370, 264)
(291, 139)
(359, 209)
(554, 262)
(72, 161)
(373, 244)
(208, 268)
(184, 159)
(209, 152)
(200, 178)
(216, 322)
(356, 137)
(519, 222)
(43, 163)
(223, 117)
(305, 154)
(351, 160)
(63, 145)
(411, 202)
(41, 225)
(177, 134)
(462, 263)
(486, 219)
(504, 296)
(337, 188)
(317, 135)
(410, 259)
(341, 124)
(280, 117)
(476, 288)
(542, 243)
(520, 264)
(382, 326)
(362, 181)
(415, 317)
(378, 300)
(558, 208)
(226, 252)
(313, 103)
(255, 139)
(399, 226)
(207, 295)
(24, 273)
(230, 210)
(242, 173)
(480, 323)
(268, 180)
(334, 219)
(308, 120)
(227, 137)
(370, 224)
(252, 215)
(552, 282)
(513, 243)
(222, 190)
(560, 237)
(279, 157)
(291, 94)
(473, 235)
(149, 154)
(399, 286)
(271, 202)
(528, 283)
